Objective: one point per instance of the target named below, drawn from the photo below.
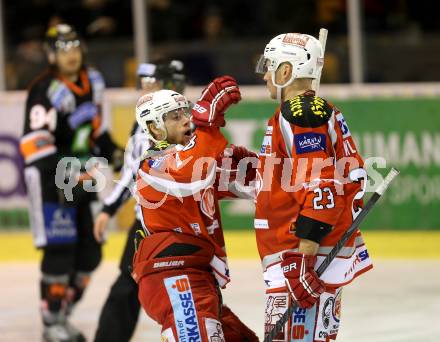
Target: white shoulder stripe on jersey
(179, 189)
(286, 131)
(331, 129)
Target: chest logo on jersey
(85, 112)
(207, 203)
(266, 146)
(61, 97)
(309, 142)
(343, 125)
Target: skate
(56, 333)
(75, 334)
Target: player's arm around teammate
(119, 314)
(181, 263)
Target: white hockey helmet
(153, 107)
(302, 51)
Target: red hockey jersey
(176, 188)
(309, 172)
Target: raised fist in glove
(214, 101)
(302, 281)
(240, 152)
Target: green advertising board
(405, 133)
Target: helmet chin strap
(281, 86)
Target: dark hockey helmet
(170, 74)
(61, 37)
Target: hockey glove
(302, 281)
(240, 152)
(214, 101)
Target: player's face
(269, 85)
(69, 61)
(177, 124)
(281, 77)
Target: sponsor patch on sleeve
(309, 142)
(269, 130)
(343, 125)
(266, 146)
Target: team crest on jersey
(207, 203)
(266, 146)
(309, 142)
(184, 310)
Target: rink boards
(17, 246)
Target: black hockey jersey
(64, 118)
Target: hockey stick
(323, 40)
(329, 258)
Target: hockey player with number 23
(181, 264)
(310, 185)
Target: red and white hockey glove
(301, 279)
(240, 152)
(214, 101)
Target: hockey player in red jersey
(181, 265)
(119, 315)
(63, 119)
(310, 184)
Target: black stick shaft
(329, 258)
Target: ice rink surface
(397, 301)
